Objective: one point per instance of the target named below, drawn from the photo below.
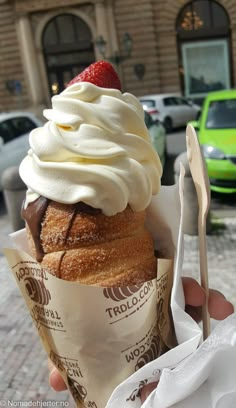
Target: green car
(216, 131)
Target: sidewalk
(221, 255)
(23, 363)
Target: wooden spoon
(202, 185)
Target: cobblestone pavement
(221, 255)
(23, 363)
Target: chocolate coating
(34, 214)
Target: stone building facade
(178, 45)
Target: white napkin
(206, 378)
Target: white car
(158, 136)
(16, 126)
(171, 109)
(14, 134)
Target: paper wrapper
(97, 337)
(205, 378)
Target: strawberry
(101, 73)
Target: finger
(218, 306)
(146, 391)
(195, 312)
(194, 294)
(55, 379)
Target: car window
(22, 125)
(170, 101)
(147, 103)
(221, 114)
(7, 131)
(15, 127)
(181, 101)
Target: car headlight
(211, 152)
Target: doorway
(68, 49)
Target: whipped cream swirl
(95, 148)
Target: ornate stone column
(112, 26)
(29, 59)
(102, 24)
(113, 37)
(106, 27)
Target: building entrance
(68, 49)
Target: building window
(202, 18)
(206, 67)
(203, 35)
(68, 49)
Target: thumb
(56, 381)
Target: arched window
(203, 35)
(68, 49)
(202, 18)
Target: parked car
(158, 136)
(14, 134)
(171, 109)
(216, 130)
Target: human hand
(195, 297)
